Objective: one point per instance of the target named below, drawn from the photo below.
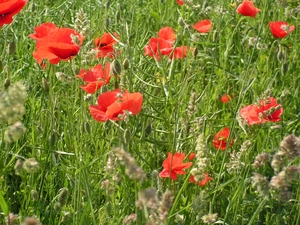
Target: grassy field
(201, 134)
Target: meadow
(156, 112)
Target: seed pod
(116, 67)
(127, 136)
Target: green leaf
(3, 205)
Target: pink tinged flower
(280, 29)
(174, 166)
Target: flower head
(247, 9)
(173, 165)
(220, 140)
(280, 29)
(203, 26)
(225, 98)
(180, 2)
(55, 44)
(105, 43)
(8, 9)
(115, 105)
(95, 78)
(202, 182)
(267, 110)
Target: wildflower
(280, 29)
(180, 2)
(192, 156)
(247, 9)
(30, 221)
(163, 45)
(225, 98)
(11, 219)
(203, 26)
(95, 78)
(8, 9)
(260, 160)
(105, 43)
(55, 44)
(202, 182)
(114, 105)
(267, 110)
(173, 165)
(221, 138)
(14, 132)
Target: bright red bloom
(95, 77)
(43, 30)
(247, 9)
(180, 2)
(201, 183)
(173, 165)
(157, 47)
(55, 44)
(267, 110)
(280, 29)
(225, 98)
(203, 26)
(9, 8)
(105, 44)
(114, 105)
(221, 138)
(192, 156)
(167, 34)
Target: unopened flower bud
(195, 52)
(116, 67)
(118, 16)
(45, 84)
(127, 136)
(11, 48)
(1, 66)
(126, 64)
(34, 195)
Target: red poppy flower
(157, 47)
(95, 77)
(9, 8)
(201, 183)
(247, 9)
(55, 44)
(114, 105)
(180, 2)
(225, 98)
(105, 44)
(167, 33)
(280, 29)
(43, 30)
(203, 26)
(220, 140)
(267, 110)
(173, 165)
(192, 156)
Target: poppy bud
(6, 83)
(1, 66)
(45, 84)
(11, 48)
(118, 16)
(57, 206)
(107, 5)
(87, 127)
(195, 52)
(52, 139)
(126, 64)
(116, 67)
(108, 208)
(284, 68)
(107, 23)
